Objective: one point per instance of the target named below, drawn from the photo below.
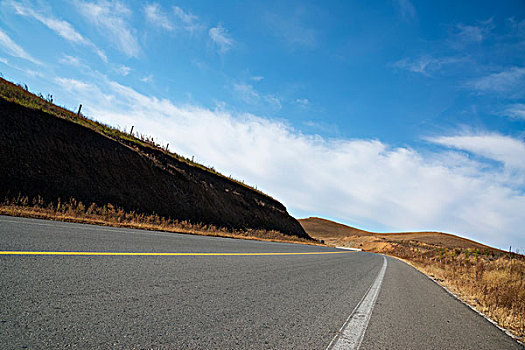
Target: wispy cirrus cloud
(15, 50)
(123, 70)
(510, 81)
(515, 111)
(248, 94)
(176, 19)
(220, 36)
(156, 16)
(70, 60)
(426, 64)
(363, 182)
(147, 79)
(189, 21)
(69, 84)
(27, 71)
(467, 33)
(303, 102)
(60, 27)
(111, 18)
(463, 34)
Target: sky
(383, 115)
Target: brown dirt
(44, 155)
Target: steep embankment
(45, 155)
(339, 234)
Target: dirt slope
(339, 234)
(42, 154)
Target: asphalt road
(215, 301)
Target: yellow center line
(6, 252)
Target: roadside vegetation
(109, 215)
(492, 281)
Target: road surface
(240, 301)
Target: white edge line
(467, 304)
(351, 334)
(340, 331)
(348, 248)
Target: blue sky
(386, 115)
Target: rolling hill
(342, 235)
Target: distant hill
(48, 151)
(339, 234)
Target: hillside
(51, 152)
(339, 234)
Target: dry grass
(109, 215)
(493, 283)
(491, 280)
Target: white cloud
(463, 35)
(273, 101)
(511, 81)
(249, 95)
(147, 78)
(155, 15)
(27, 71)
(359, 181)
(221, 38)
(515, 111)
(504, 149)
(60, 27)
(70, 60)
(426, 64)
(257, 78)
(123, 70)
(175, 20)
(111, 19)
(469, 33)
(303, 102)
(189, 21)
(13, 49)
(407, 9)
(75, 85)
(84, 93)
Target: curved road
(286, 301)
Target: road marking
(158, 254)
(353, 330)
(349, 248)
